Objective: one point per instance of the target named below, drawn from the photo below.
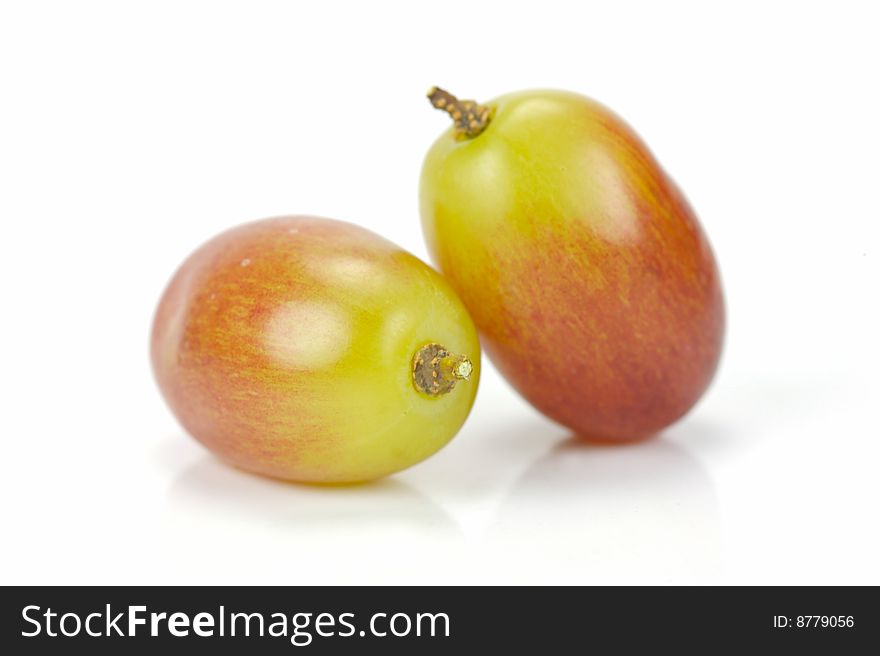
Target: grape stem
(435, 370)
(470, 117)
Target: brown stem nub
(470, 117)
(435, 370)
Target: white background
(132, 132)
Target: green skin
(594, 288)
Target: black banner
(434, 620)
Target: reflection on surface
(292, 533)
(590, 513)
(571, 513)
